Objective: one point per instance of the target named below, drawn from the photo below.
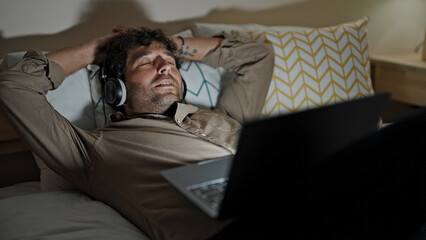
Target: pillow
(202, 81)
(313, 67)
(101, 109)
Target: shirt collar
(183, 110)
(179, 110)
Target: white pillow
(203, 82)
(101, 109)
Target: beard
(146, 99)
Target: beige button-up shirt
(120, 163)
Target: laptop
(270, 150)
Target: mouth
(167, 82)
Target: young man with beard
(154, 130)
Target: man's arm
(73, 58)
(195, 49)
(22, 100)
(252, 64)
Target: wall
(395, 26)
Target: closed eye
(145, 63)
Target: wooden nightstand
(17, 163)
(404, 75)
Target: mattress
(28, 213)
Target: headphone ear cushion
(115, 92)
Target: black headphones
(115, 93)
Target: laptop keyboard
(211, 192)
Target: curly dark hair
(118, 48)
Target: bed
(313, 67)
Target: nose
(163, 66)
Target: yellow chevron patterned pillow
(316, 67)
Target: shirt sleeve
(252, 65)
(48, 134)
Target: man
(120, 164)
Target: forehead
(155, 48)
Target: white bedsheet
(20, 189)
(59, 215)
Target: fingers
(99, 45)
(102, 41)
